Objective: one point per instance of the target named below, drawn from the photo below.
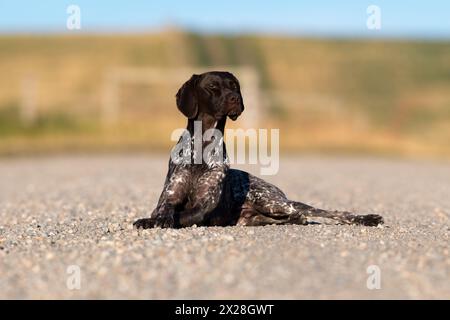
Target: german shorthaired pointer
(212, 194)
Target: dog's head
(215, 93)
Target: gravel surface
(61, 215)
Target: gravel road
(65, 216)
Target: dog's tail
(343, 217)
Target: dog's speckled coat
(212, 194)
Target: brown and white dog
(212, 194)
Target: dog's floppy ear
(239, 89)
(187, 101)
(240, 96)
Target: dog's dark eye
(212, 86)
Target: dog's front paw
(164, 221)
(145, 223)
(371, 220)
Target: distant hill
(326, 95)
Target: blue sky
(399, 18)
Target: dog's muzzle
(234, 114)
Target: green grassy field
(361, 96)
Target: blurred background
(85, 76)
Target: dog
(212, 194)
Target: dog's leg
(343, 217)
(204, 199)
(176, 189)
(162, 217)
(252, 217)
(292, 212)
(267, 200)
(264, 203)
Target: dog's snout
(234, 98)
